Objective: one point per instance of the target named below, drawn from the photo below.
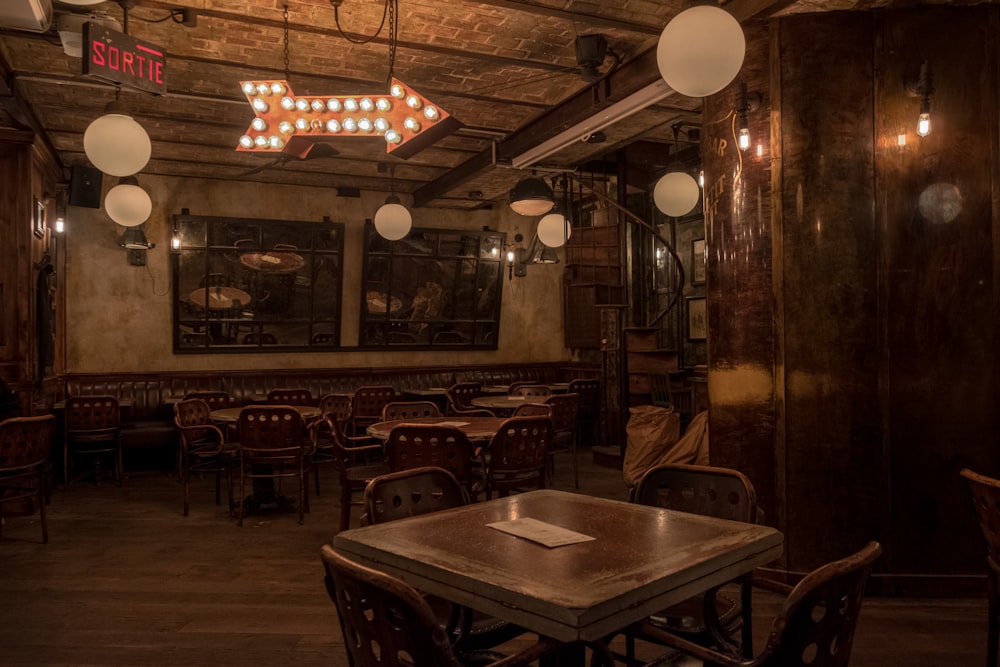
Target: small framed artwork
(698, 262)
(697, 318)
(38, 219)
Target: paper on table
(541, 532)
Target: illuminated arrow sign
(286, 123)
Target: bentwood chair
(339, 406)
(532, 410)
(273, 446)
(366, 408)
(217, 400)
(531, 391)
(421, 445)
(409, 410)
(460, 397)
(518, 455)
(25, 449)
(290, 396)
(387, 623)
(91, 428)
(417, 491)
(357, 459)
(564, 408)
(985, 493)
(589, 411)
(712, 618)
(815, 626)
(203, 448)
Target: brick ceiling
(506, 69)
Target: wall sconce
(747, 103)
(923, 88)
(60, 225)
(135, 242)
(515, 258)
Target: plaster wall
(118, 317)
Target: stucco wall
(118, 317)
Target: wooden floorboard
(127, 580)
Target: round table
(273, 261)
(475, 428)
(219, 298)
(232, 415)
(504, 404)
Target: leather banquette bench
(149, 422)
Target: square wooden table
(642, 560)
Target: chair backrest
(722, 493)
(589, 390)
(339, 405)
(985, 493)
(91, 413)
(369, 401)
(26, 442)
(564, 410)
(420, 445)
(217, 400)
(817, 621)
(460, 394)
(385, 622)
(265, 338)
(409, 410)
(533, 409)
(193, 418)
(271, 432)
(412, 492)
(531, 391)
(290, 396)
(518, 454)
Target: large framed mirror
(256, 285)
(434, 288)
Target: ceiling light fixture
(623, 108)
(115, 143)
(392, 220)
(923, 88)
(701, 50)
(677, 192)
(531, 196)
(127, 203)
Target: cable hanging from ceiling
(390, 14)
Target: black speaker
(85, 187)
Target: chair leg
(303, 492)
(41, 505)
(186, 481)
(345, 505)
(66, 461)
(240, 509)
(993, 622)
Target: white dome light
(392, 220)
(128, 204)
(117, 145)
(554, 230)
(701, 50)
(676, 193)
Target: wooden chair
(409, 410)
(203, 448)
(985, 494)
(417, 491)
(273, 445)
(421, 445)
(366, 408)
(217, 400)
(533, 410)
(589, 410)
(518, 455)
(459, 397)
(290, 396)
(92, 428)
(712, 617)
(338, 406)
(564, 409)
(357, 459)
(815, 626)
(531, 391)
(25, 451)
(387, 623)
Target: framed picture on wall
(698, 262)
(38, 219)
(697, 318)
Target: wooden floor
(127, 580)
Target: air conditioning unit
(33, 15)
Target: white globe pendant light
(676, 193)
(116, 144)
(128, 204)
(701, 50)
(392, 220)
(554, 230)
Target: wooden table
(503, 405)
(475, 428)
(642, 559)
(219, 298)
(232, 415)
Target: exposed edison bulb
(351, 104)
(510, 256)
(61, 227)
(263, 89)
(259, 124)
(397, 91)
(924, 124)
(431, 113)
(175, 241)
(302, 105)
(332, 126)
(383, 104)
(334, 104)
(249, 88)
(259, 105)
(365, 125)
(411, 124)
(366, 104)
(381, 124)
(701, 178)
(277, 88)
(275, 141)
(744, 138)
(246, 141)
(393, 137)
(350, 125)
(287, 103)
(301, 124)
(285, 127)
(413, 102)
(317, 105)
(260, 141)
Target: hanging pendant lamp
(392, 220)
(701, 50)
(531, 196)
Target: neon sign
(123, 60)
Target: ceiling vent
(33, 15)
